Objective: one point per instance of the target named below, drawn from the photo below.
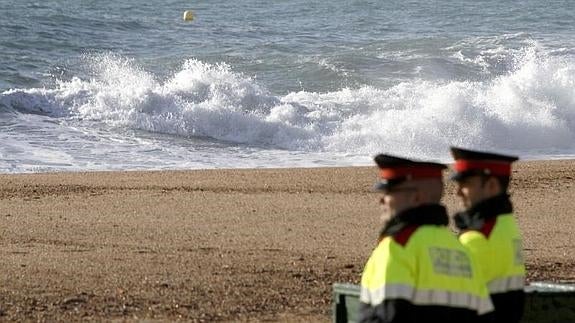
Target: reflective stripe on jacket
(422, 273)
(492, 236)
(499, 256)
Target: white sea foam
(529, 110)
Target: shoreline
(521, 162)
(224, 244)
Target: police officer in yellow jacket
(488, 228)
(418, 272)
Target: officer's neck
(492, 206)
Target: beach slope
(228, 245)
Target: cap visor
(458, 176)
(381, 186)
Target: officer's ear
(417, 199)
(420, 196)
(492, 186)
(429, 191)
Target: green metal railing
(545, 302)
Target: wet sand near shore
(223, 245)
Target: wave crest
(530, 109)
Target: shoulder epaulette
(488, 226)
(402, 237)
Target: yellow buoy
(188, 15)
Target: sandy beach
(229, 245)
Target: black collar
(475, 217)
(434, 214)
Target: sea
(130, 85)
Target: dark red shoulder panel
(488, 227)
(402, 237)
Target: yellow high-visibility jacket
(419, 272)
(491, 234)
